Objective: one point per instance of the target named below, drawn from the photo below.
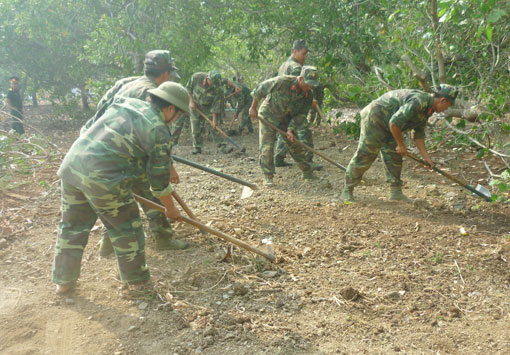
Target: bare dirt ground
(373, 277)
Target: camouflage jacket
(405, 108)
(203, 94)
(244, 98)
(133, 87)
(283, 100)
(128, 140)
(290, 67)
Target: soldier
(287, 100)
(15, 104)
(244, 100)
(129, 140)
(178, 126)
(159, 67)
(382, 124)
(293, 66)
(206, 94)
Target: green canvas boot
(347, 194)
(268, 180)
(281, 163)
(226, 150)
(309, 175)
(397, 195)
(106, 247)
(167, 243)
(315, 166)
(197, 151)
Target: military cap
(300, 44)
(448, 91)
(310, 75)
(172, 93)
(14, 77)
(162, 60)
(215, 77)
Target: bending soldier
(159, 68)
(129, 140)
(382, 124)
(286, 101)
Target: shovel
(268, 255)
(284, 134)
(478, 190)
(220, 131)
(215, 172)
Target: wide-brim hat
(173, 93)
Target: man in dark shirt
(15, 104)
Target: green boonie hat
(215, 77)
(448, 91)
(172, 93)
(300, 44)
(310, 75)
(162, 60)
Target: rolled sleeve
(405, 113)
(158, 165)
(165, 192)
(418, 132)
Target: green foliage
(503, 186)
(351, 128)
(438, 258)
(21, 156)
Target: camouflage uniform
(178, 126)
(208, 100)
(130, 139)
(304, 134)
(244, 101)
(285, 106)
(136, 87)
(406, 109)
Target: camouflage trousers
(119, 213)
(198, 124)
(304, 135)
(374, 139)
(267, 140)
(245, 119)
(177, 127)
(159, 225)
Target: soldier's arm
(234, 86)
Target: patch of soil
(376, 276)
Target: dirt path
(371, 277)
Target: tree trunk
(35, 102)
(84, 98)
(437, 42)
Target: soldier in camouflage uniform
(382, 124)
(244, 101)
(287, 100)
(159, 67)
(206, 94)
(293, 66)
(129, 140)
